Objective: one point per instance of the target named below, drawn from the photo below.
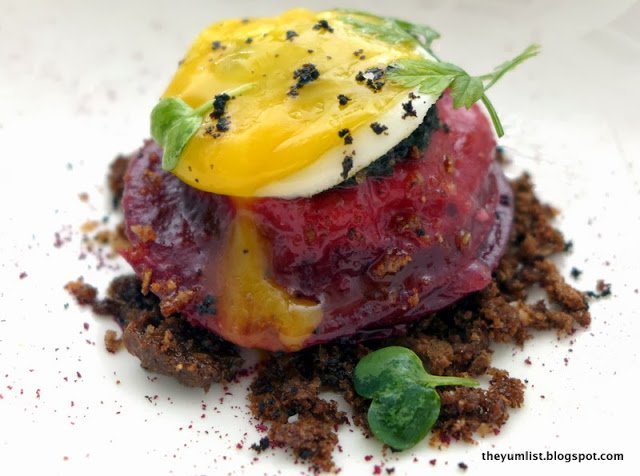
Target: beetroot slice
(375, 255)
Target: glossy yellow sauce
(253, 310)
(272, 134)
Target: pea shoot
(430, 74)
(405, 405)
(174, 123)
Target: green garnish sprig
(404, 405)
(389, 29)
(174, 123)
(433, 76)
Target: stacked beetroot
(376, 254)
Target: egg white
(367, 146)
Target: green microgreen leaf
(176, 139)
(385, 30)
(384, 367)
(529, 52)
(174, 123)
(431, 77)
(493, 115)
(390, 29)
(434, 77)
(404, 404)
(423, 33)
(402, 419)
(466, 90)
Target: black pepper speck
(343, 100)
(219, 105)
(346, 134)
(409, 111)
(208, 305)
(223, 124)
(323, 25)
(305, 74)
(378, 128)
(372, 78)
(347, 165)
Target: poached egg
(317, 109)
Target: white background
(77, 81)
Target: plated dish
(324, 178)
(338, 197)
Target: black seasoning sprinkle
(359, 54)
(602, 290)
(262, 445)
(378, 128)
(413, 96)
(216, 45)
(291, 35)
(409, 111)
(323, 25)
(420, 232)
(373, 78)
(219, 105)
(347, 165)
(305, 74)
(463, 466)
(208, 305)
(346, 134)
(248, 40)
(375, 73)
(223, 124)
(343, 100)
(575, 273)
(210, 130)
(310, 51)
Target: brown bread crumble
(285, 392)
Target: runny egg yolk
(253, 309)
(282, 125)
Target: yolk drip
(252, 309)
(272, 132)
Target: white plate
(77, 82)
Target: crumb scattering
(285, 395)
